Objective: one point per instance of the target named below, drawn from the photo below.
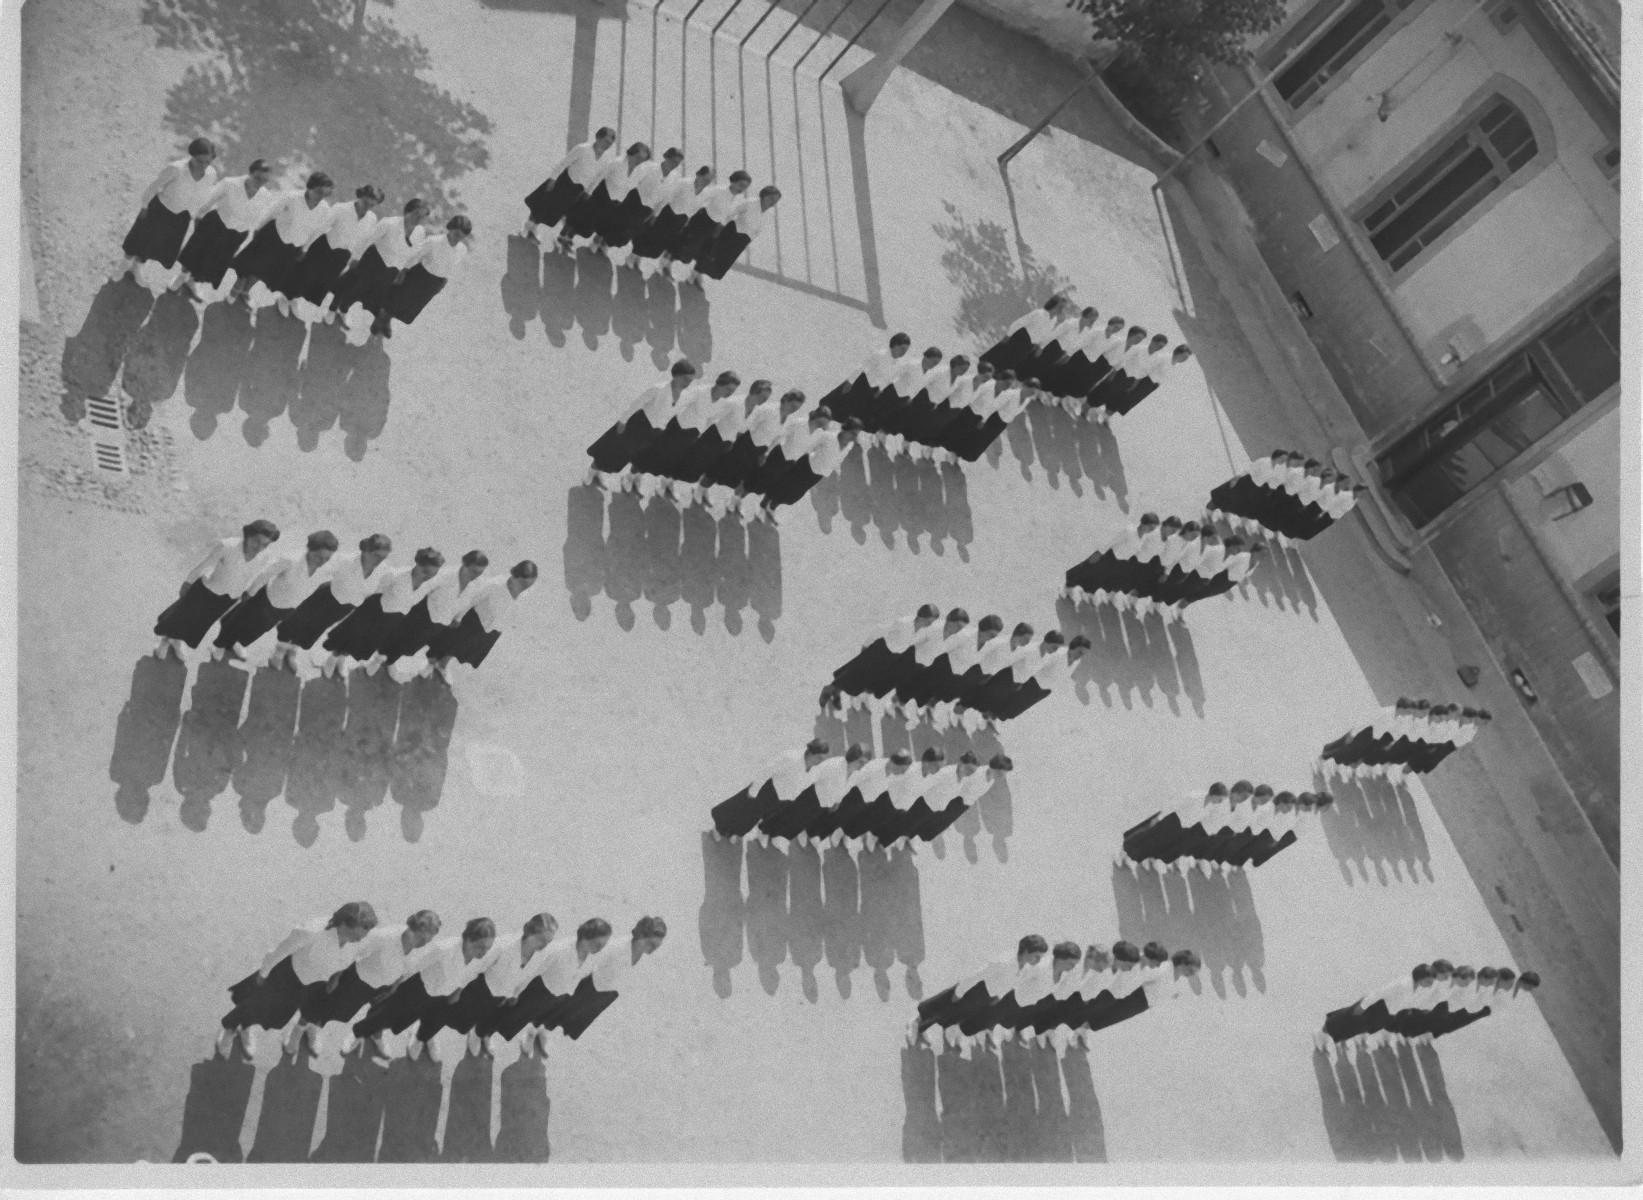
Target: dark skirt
(473, 1004)
(1009, 353)
(369, 282)
(855, 814)
(553, 198)
(737, 816)
(210, 249)
(588, 214)
(270, 1003)
(189, 618)
(1135, 393)
(1121, 1009)
(312, 617)
(398, 1012)
(659, 234)
(860, 672)
(248, 620)
(413, 632)
(1111, 389)
(723, 253)
(410, 295)
(468, 641)
(316, 276)
(156, 235)
(322, 1003)
(363, 631)
(701, 232)
(535, 1006)
(582, 1009)
(1343, 1023)
(790, 818)
(619, 220)
(621, 444)
(270, 258)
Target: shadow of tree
(315, 82)
(994, 287)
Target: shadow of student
(412, 1091)
(271, 373)
(1017, 1104)
(212, 378)
(1083, 452)
(719, 921)
(144, 733)
(360, 768)
(343, 386)
(353, 1111)
(522, 1130)
(917, 498)
(93, 355)
(1389, 1105)
(155, 359)
(1213, 915)
(290, 1107)
(1130, 658)
(311, 779)
(468, 1112)
(267, 741)
(219, 1091)
(208, 746)
(1374, 826)
(421, 753)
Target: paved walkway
(641, 685)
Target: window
(1333, 50)
(1520, 402)
(1607, 598)
(1419, 208)
(1608, 161)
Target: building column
(862, 86)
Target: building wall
(1524, 616)
(1586, 542)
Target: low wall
(1060, 27)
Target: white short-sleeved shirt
(1010, 403)
(382, 958)
(827, 452)
(226, 570)
(390, 242)
(349, 231)
(974, 786)
(439, 256)
(349, 583)
(909, 376)
(489, 599)
(182, 193)
(581, 163)
(965, 648)
(764, 424)
(717, 201)
(559, 967)
(444, 970)
(508, 971)
(1038, 325)
(237, 210)
(1210, 560)
(291, 582)
(647, 181)
(678, 192)
(749, 216)
(656, 402)
(937, 383)
(788, 775)
(298, 222)
(868, 777)
(941, 786)
(446, 596)
(1238, 565)
(794, 442)
(615, 175)
(881, 367)
(982, 397)
(611, 966)
(314, 951)
(902, 785)
(831, 779)
(1053, 669)
(727, 415)
(934, 640)
(400, 594)
(1126, 544)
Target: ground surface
(654, 667)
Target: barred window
(1426, 202)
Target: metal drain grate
(109, 456)
(105, 422)
(103, 412)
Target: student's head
(604, 138)
(926, 614)
(638, 153)
(521, 576)
(958, 364)
(478, 936)
(1210, 537)
(821, 416)
(1442, 969)
(1021, 634)
(1186, 963)
(1322, 800)
(260, 534)
(816, 750)
(1087, 315)
(474, 563)
(900, 344)
(990, 626)
(368, 196)
(1052, 641)
(901, 759)
(318, 184)
(540, 930)
(457, 228)
(1180, 355)
(1505, 979)
(427, 562)
(1158, 342)
(933, 757)
(1217, 792)
(1528, 981)
(671, 158)
(259, 170)
(1148, 522)
(740, 181)
(592, 934)
(353, 921)
(648, 934)
(1055, 301)
(422, 926)
(415, 212)
(1190, 529)
(1078, 647)
(202, 150)
(855, 753)
(375, 548)
(984, 370)
(1006, 378)
(704, 176)
(769, 195)
(1242, 788)
(792, 401)
(1487, 977)
(969, 761)
(759, 390)
(684, 370)
(932, 356)
(1125, 955)
(1002, 763)
(1465, 976)
(1154, 953)
(1421, 976)
(1114, 324)
(1234, 544)
(322, 544)
(957, 619)
(1096, 958)
(727, 382)
(1136, 336)
(1030, 949)
(1064, 958)
(1170, 526)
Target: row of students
(1227, 828)
(1056, 1002)
(815, 796)
(1162, 566)
(383, 980)
(698, 442)
(1095, 371)
(376, 614)
(1285, 495)
(949, 670)
(657, 210)
(927, 408)
(1435, 999)
(1411, 736)
(311, 256)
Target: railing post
(862, 86)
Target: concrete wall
(1528, 624)
(1059, 26)
(1587, 541)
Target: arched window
(1418, 207)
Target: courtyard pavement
(172, 824)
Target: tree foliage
(1172, 36)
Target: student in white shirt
(971, 999)
(443, 968)
(1057, 659)
(1018, 349)
(386, 954)
(231, 210)
(288, 225)
(855, 395)
(476, 626)
(545, 987)
(274, 595)
(567, 182)
(432, 609)
(347, 581)
(783, 781)
(1154, 365)
(310, 953)
(368, 283)
(599, 210)
(426, 275)
(872, 669)
(747, 220)
(607, 975)
(864, 779)
(208, 591)
(363, 634)
(673, 236)
(615, 451)
(168, 205)
(1092, 359)
(340, 241)
(715, 213)
(980, 400)
(647, 186)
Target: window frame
(1308, 28)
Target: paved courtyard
(172, 823)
